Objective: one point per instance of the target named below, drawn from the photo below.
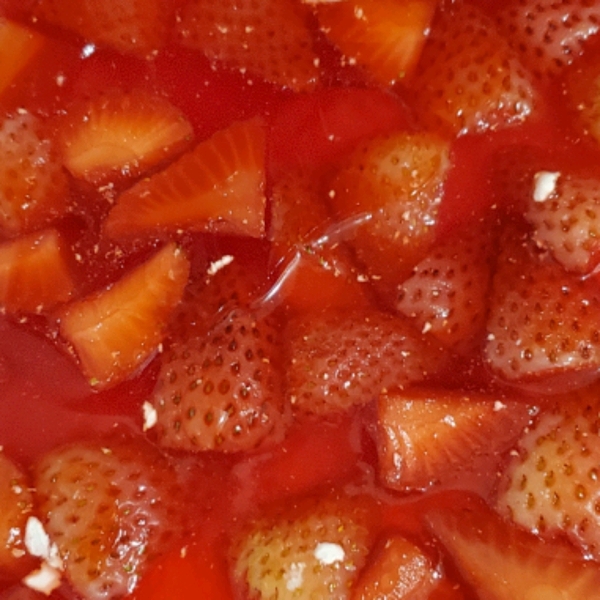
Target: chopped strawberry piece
(384, 36)
(218, 186)
(122, 134)
(269, 38)
(34, 273)
(117, 330)
(469, 79)
(341, 358)
(33, 187)
(432, 437)
(505, 563)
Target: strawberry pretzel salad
(300, 299)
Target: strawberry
(34, 274)
(222, 391)
(388, 192)
(544, 323)
(469, 79)
(583, 92)
(384, 36)
(110, 507)
(549, 35)
(136, 27)
(33, 187)
(218, 186)
(122, 133)
(308, 548)
(551, 484)
(341, 358)
(268, 38)
(505, 563)
(432, 437)
(447, 293)
(117, 330)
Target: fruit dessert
(299, 299)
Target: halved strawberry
(218, 186)
(309, 548)
(432, 437)
(469, 79)
(342, 357)
(384, 36)
(388, 194)
(34, 274)
(222, 391)
(502, 562)
(117, 330)
(122, 134)
(33, 186)
(110, 507)
(268, 38)
(138, 27)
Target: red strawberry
(544, 323)
(384, 36)
(222, 391)
(583, 93)
(388, 193)
(341, 358)
(552, 485)
(110, 507)
(268, 38)
(469, 80)
(310, 548)
(431, 437)
(138, 27)
(34, 274)
(122, 133)
(33, 187)
(218, 186)
(549, 35)
(117, 330)
(505, 563)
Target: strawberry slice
(218, 186)
(384, 36)
(102, 503)
(469, 79)
(341, 358)
(117, 330)
(431, 437)
(122, 133)
(34, 274)
(222, 391)
(137, 27)
(33, 186)
(505, 563)
(268, 38)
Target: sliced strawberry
(309, 548)
(33, 187)
(222, 391)
(388, 192)
(341, 358)
(269, 38)
(384, 36)
(110, 507)
(431, 437)
(469, 79)
(122, 133)
(505, 563)
(117, 330)
(138, 27)
(218, 186)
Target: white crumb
(150, 416)
(294, 578)
(544, 185)
(45, 579)
(217, 265)
(327, 553)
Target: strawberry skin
(269, 38)
(118, 329)
(218, 187)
